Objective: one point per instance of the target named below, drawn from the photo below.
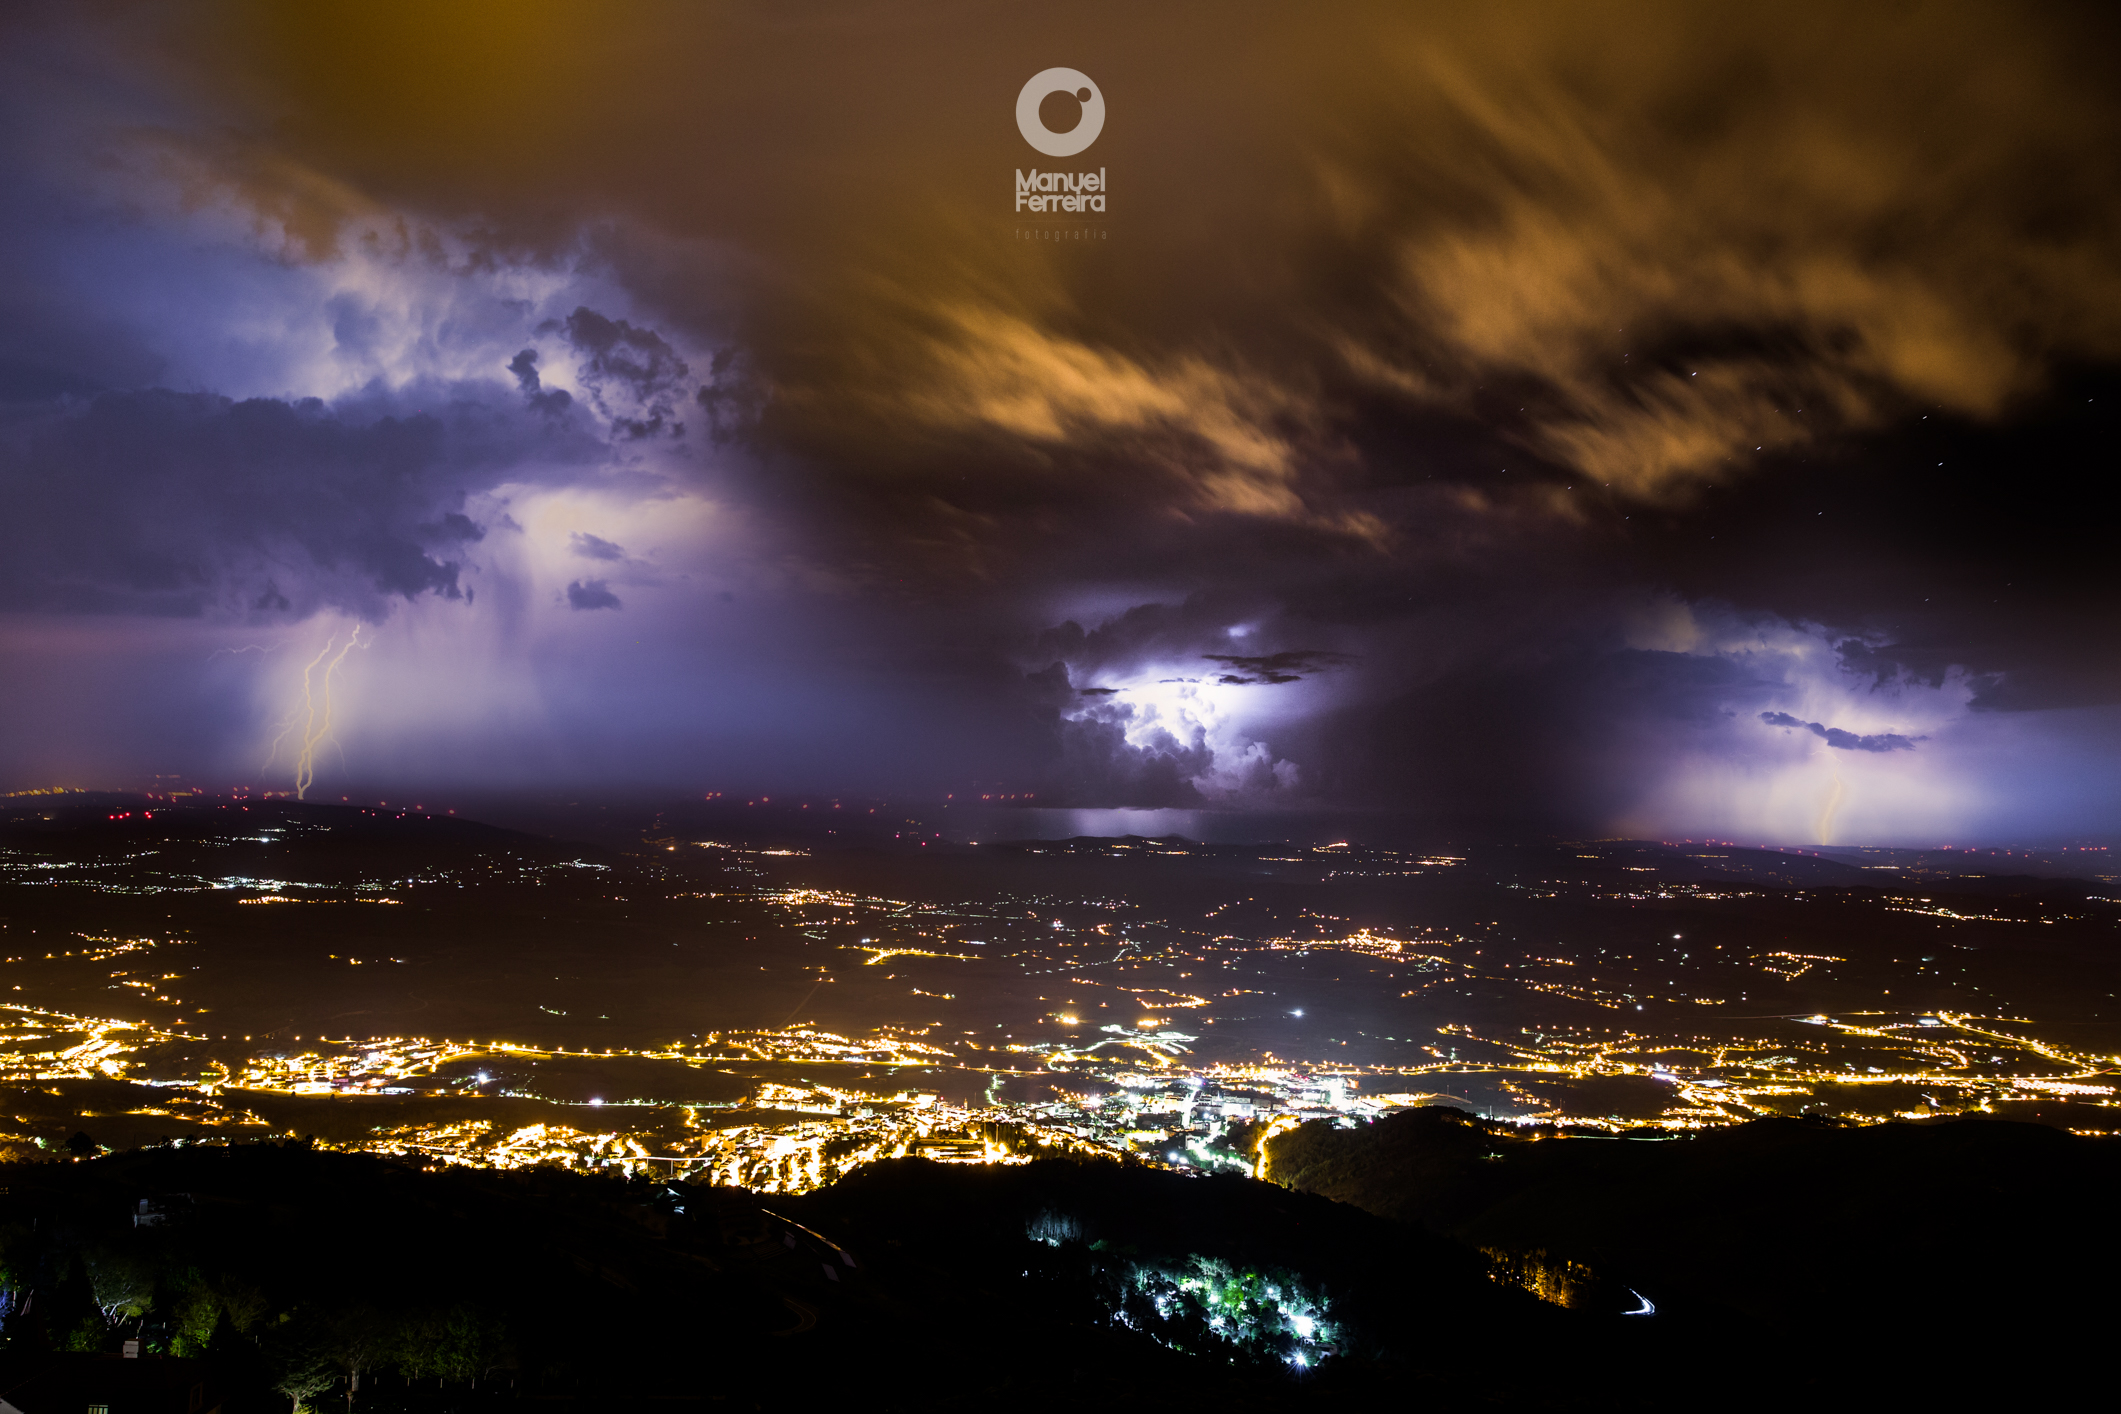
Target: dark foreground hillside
(1787, 1263)
(911, 1285)
(1896, 1258)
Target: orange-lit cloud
(1441, 337)
(1665, 241)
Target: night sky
(1658, 420)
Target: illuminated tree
(297, 1358)
(301, 1381)
(194, 1315)
(123, 1282)
(455, 1343)
(359, 1341)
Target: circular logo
(1043, 86)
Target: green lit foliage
(452, 1343)
(1205, 1304)
(193, 1316)
(245, 1304)
(296, 1354)
(191, 1323)
(327, 1280)
(360, 1339)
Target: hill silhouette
(911, 1285)
(1851, 1242)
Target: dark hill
(1791, 1263)
(912, 1286)
(1846, 1241)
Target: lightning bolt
(1827, 807)
(313, 715)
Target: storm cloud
(1841, 740)
(1498, 414)
(172, 504)
(591, 594)
(635, 379)
(1289, 665)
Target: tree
(123, 1282)
(298, 1359)
(453, 1343)
(359, 1337)
(196, 1314)
(245, 1304)
(309, 1377)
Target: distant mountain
(204, 840)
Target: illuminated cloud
(1145, 718)
(1684, 241)
(1546, 418)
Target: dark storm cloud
(1841, 740)
(1566, 732)
(547, 400)
(1288, 666)
(591, 594)
(1171, 634)
(1435, 337)
(619, 568)
(634, 377)
(1626, 250)
(166, 503)
(453, 528)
